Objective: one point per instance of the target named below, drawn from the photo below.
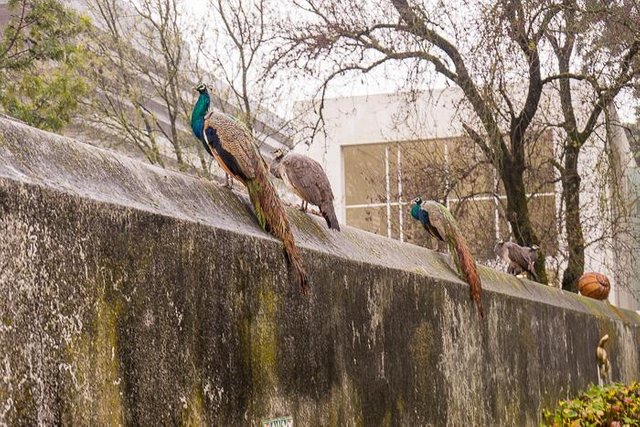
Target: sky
(376, 82)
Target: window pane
(364, 174)
(395, 220)
(539, 174)
(423, 169)
(469, 171)
(393, 171)
(373, 220)
(543, 218)
(477, 223)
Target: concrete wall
(135, 295)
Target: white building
(375, 146)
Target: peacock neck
(415, 211)
(198, 114)
(420, 214)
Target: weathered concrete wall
(130, 294)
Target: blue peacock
(439, 223)
(235, 150)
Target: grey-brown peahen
(306, 178)
(519, 258)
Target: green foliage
(42, 60)
(598, 406)
(39, 30)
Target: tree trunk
(518, 213)
(573, 226)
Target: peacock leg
(228, 182)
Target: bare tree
(608, 59)
(240, 43)
(397, 31)
(142, 71)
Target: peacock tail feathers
(234, 148)
(272, 217)
(467, 269)
(441, 218)
(329, 214)
(254, 189)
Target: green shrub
(610, 405)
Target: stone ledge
(107, 176)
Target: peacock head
(201, 88)
(415, 209)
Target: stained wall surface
(130, 294)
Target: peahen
(231, 144)
(439, 222)
(305, 177)
(519, 258)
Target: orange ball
(594, 285)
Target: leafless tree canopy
(142, 73)
(515, 61)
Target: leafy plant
(42, 60)
(610, 405)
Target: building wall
(374, 144)
(379, 154)
(377, 119)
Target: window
(382, 179)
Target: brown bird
(235, 149)
(438, 221)
(604, 366)
(306, 178)
(519, 258)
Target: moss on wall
(95, 368)
(140, 296)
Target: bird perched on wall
(439, 223)
(306, 178)
(233, 147)
(519, 258)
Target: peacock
(305, 177)
(439, 223)
(233, 147)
